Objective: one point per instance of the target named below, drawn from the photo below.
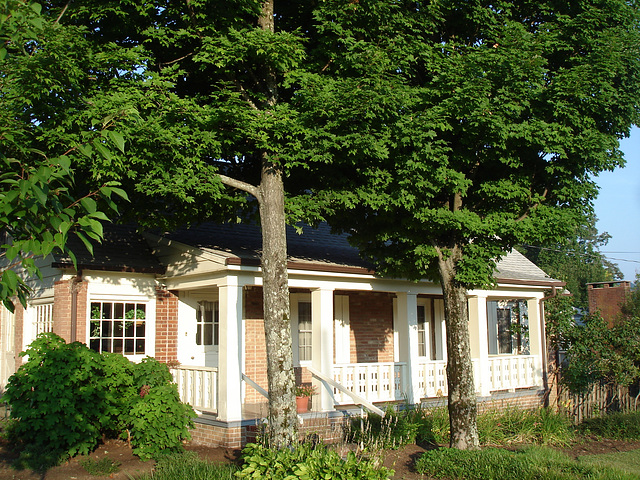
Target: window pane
(128, 347)
(140, 328)
(504, 330)
(140, 346)
(118, 310)
(106, 310)
(117, 345)
(118, 328)
(199, 334)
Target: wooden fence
(602, 399)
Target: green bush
(58, 399)
(536, 463)
(66, 397)
(306, 461)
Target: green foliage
(623, 426)
(576, 260)
(66, 397)
(537, 463)
(306, 461)
(57, 399)
(188, 465)
(40, 203)
(506, 426)
(596, 352)
(395, 429)
(159, 421)
(104, 466)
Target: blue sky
(618, 209)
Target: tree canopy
(40, 201)
(438, 135)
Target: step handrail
(358, 400)
(258, 388)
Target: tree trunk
(462, 396)
(282, 429)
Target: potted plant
(303, 394)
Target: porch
(374, 382)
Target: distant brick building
(608, 298)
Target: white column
(406, 326)
(536, 337)
(322, 345)
(230, 357)
(479, 343)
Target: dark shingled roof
(125, 249)
(122, 249)
(244, 241)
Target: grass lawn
(628, 462)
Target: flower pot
(302, 404)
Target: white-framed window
(118, 327)
(42, 318)
(508, 327)
(305, 333)
(427, 331)
(207, 324)
(301, 327)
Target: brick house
(607, 298)
(193, 298)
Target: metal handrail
(258, 388)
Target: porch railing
(518, 371)
(376, 382)
(432, 379)
(197, 386)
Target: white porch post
(480, 343)
(406, 325)
(322, 345)
(536, 346)
(230, 351)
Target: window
(426, 329)
(508, 327)
(118, 327)
(304, 331)
(208, 323)
(43, 319)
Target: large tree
(509, 110)
(206, 93)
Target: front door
(199, 320)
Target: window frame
(516, 310)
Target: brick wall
(607, 298)
(166, 326)
(255, 345)
(19, 334)
(371, 319)
(62, 309)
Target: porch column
(536, 337)
(480, 343)
(230, 351)
(322, 345)
(406, 324)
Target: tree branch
(247, 187)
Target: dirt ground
(402, 460)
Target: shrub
(306, 461)
(57, 398)
(66, 397)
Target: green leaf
(117, 139)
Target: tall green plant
(66, 397)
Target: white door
(199, 327)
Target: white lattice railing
(518, 371)
(376, 382)
(197, 386)
(432, 379)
